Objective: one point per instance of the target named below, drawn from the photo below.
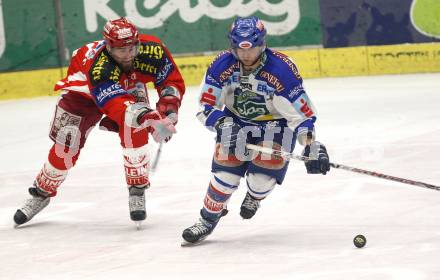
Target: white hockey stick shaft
(156, 158)
(173, 118)
(270, 151)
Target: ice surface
(303, 230)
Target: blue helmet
(247, 33)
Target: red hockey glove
(160, 128)
(169, 103)
(108, 124)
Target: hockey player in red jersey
(106, 83)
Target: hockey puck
(359, 241)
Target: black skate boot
(249, 206)
(136, 203)
(32, 206)
(201, 229)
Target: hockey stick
(173, 118)
(156, 158)
(270, 151)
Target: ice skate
(136, 203)
(249, 206)
(197, 232)
(32, 207)
(200, 230)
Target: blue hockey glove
(228, 134)
(319, 162)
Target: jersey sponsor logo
(271, 79)
(103, 69)
(290, 63)
(208, 97)
(305, 108)
(144, 67)
(151, 50)
(98, 67)
(167, 68)
(106, 92)
(295, 92)
(252, 110)
(150, 59)
(228, 72)
(249, 104)
(265, 88)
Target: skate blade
(138, 225)
(191, 244)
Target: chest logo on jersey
(249, 104)
(151, 51)
(107, 91)
(144, 67)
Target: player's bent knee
(62, 157)
(225, 182)
(260, 185)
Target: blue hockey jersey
(271, 92)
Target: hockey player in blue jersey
(252, 95)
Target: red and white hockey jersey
(94, 74)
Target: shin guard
(136, 165)
(49, 179)
(260, 185)
(220, 189)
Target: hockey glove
(169, 103)
(160, 128)
(228, 134)
(319, 162)
(108, 124)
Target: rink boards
(312, 63)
